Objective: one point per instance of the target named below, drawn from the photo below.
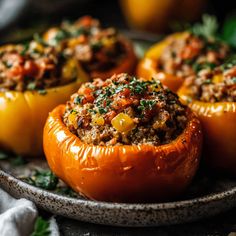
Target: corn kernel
(122, 123)
(217, 78)
(108, 42)
(98, 120)
(69, 70)
(36, 46)
(72, 119)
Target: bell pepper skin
(219, 129)
(148, 69)
(148, 66)
(125, 173)
(23, 115)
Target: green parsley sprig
(41, 227)
(208, 28)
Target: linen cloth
(17, 216)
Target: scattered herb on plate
(18, 161)
(3, 156)
(41, 227)
(43, 179)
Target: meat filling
(97, 48)
(34, 66)
(218, 85)
(125, 110)
(186, 56)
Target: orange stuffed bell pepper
(33, 80)
(101, 52)
(212, 96)
(124, 140)
(180, 56)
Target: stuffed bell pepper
(124, 140)
(212, 96)
(34, 79)
(180, 56)
(102, 52)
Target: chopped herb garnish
(200, 66)
(137, 86)
(73, 111)
(61, 35)
(234, 80)
(172, 102)
(43, 179)
(42, 91)
(31, 86)
(25, 49)
(80, 31)
(7, 64)
(147, 104)
(207, 81)
(92, 111)
(102, 110)
(39, 39)
(229, 63)
(78, 100)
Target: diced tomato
(109, 116)
(16, 71)
(191, 50)
(85, 21)
(125, 92)
(88, 99)
(31, 69)
(121, 103)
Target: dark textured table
(221, 225)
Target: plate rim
(126, 206)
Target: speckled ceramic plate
(207, 196)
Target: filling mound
(34, 66)
(97, 48)
(125, 110)
(187, 55)
(218, 85)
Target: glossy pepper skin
(219, 129)
(148, 66)
(143, 173)
(23, 115)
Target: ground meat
(216, 85)
(125, 110)
(186, 56)
(33, 66)
(95, 47)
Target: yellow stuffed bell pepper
(101, 51)
(148, 66)
(179, 56)
(211, 96)
(23, 108)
